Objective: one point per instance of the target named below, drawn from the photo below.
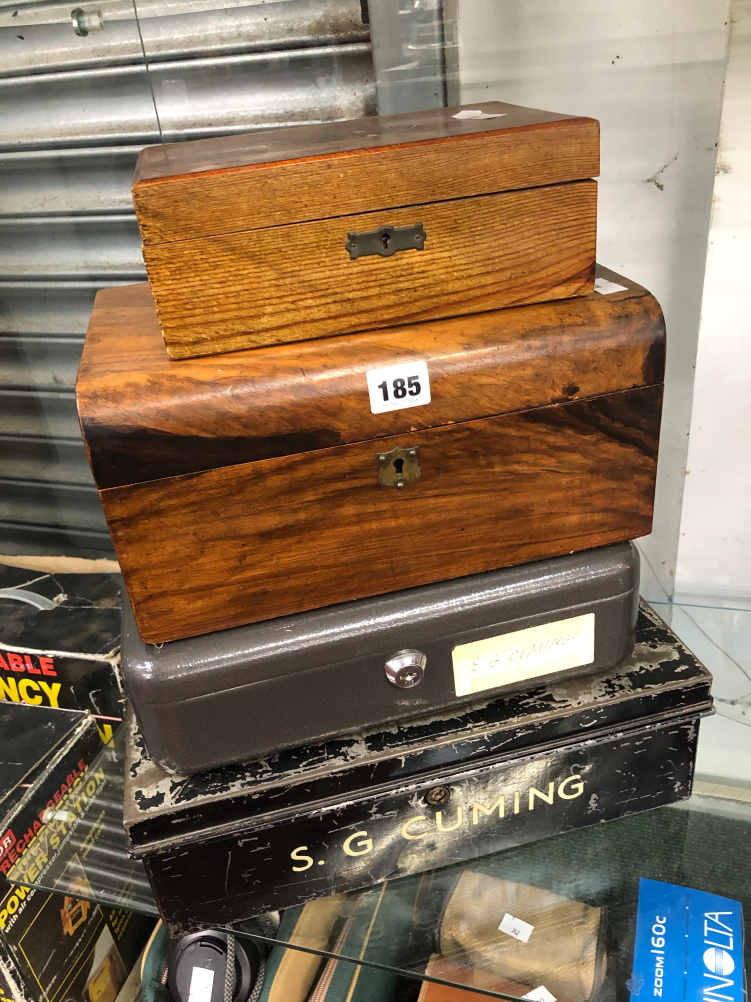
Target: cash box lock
(406, 668)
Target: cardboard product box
(28, 741)
(60, 642)
(689, 944)
(225, 845)
(68, 948)
(44, 753)
(56, 947)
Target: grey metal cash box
(250, 691)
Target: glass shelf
(92, 860)
(720, 637)
(394, 929)
(390, 932)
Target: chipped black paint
(218, 845)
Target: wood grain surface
(187, 190)
(292, 142)
(224, 547)
(293, 283)
(145, 417)
(464, 982)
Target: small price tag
(201, 983)
(516, 927)
(398, 386)
(477, 113)
(540, 994)
(604, 287)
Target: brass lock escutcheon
(386, 241)
(398, 467)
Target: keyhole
(398, 466)
(385, 237)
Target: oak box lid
(145, 417)
(306, 172)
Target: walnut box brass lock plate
(386, 241)
(398, 467)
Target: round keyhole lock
(385, 240)
(406, 669)
(438, 796)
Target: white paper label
(398, 386)
(516, 927)
(540, 994)
(514, 657)
(201, 982)
(477, 113)
(604, 287)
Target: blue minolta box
(689, 946)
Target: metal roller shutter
(75, 109)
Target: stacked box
(373, 446)
(230, 843)
(263, 483)
(60, 642)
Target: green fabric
(377, 926)
(379, 931)
(154, 963)
(286, 928)
(293, 972)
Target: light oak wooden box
(315, 230)
(258, 484)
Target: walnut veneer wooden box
(304, 232)
(257, 484)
